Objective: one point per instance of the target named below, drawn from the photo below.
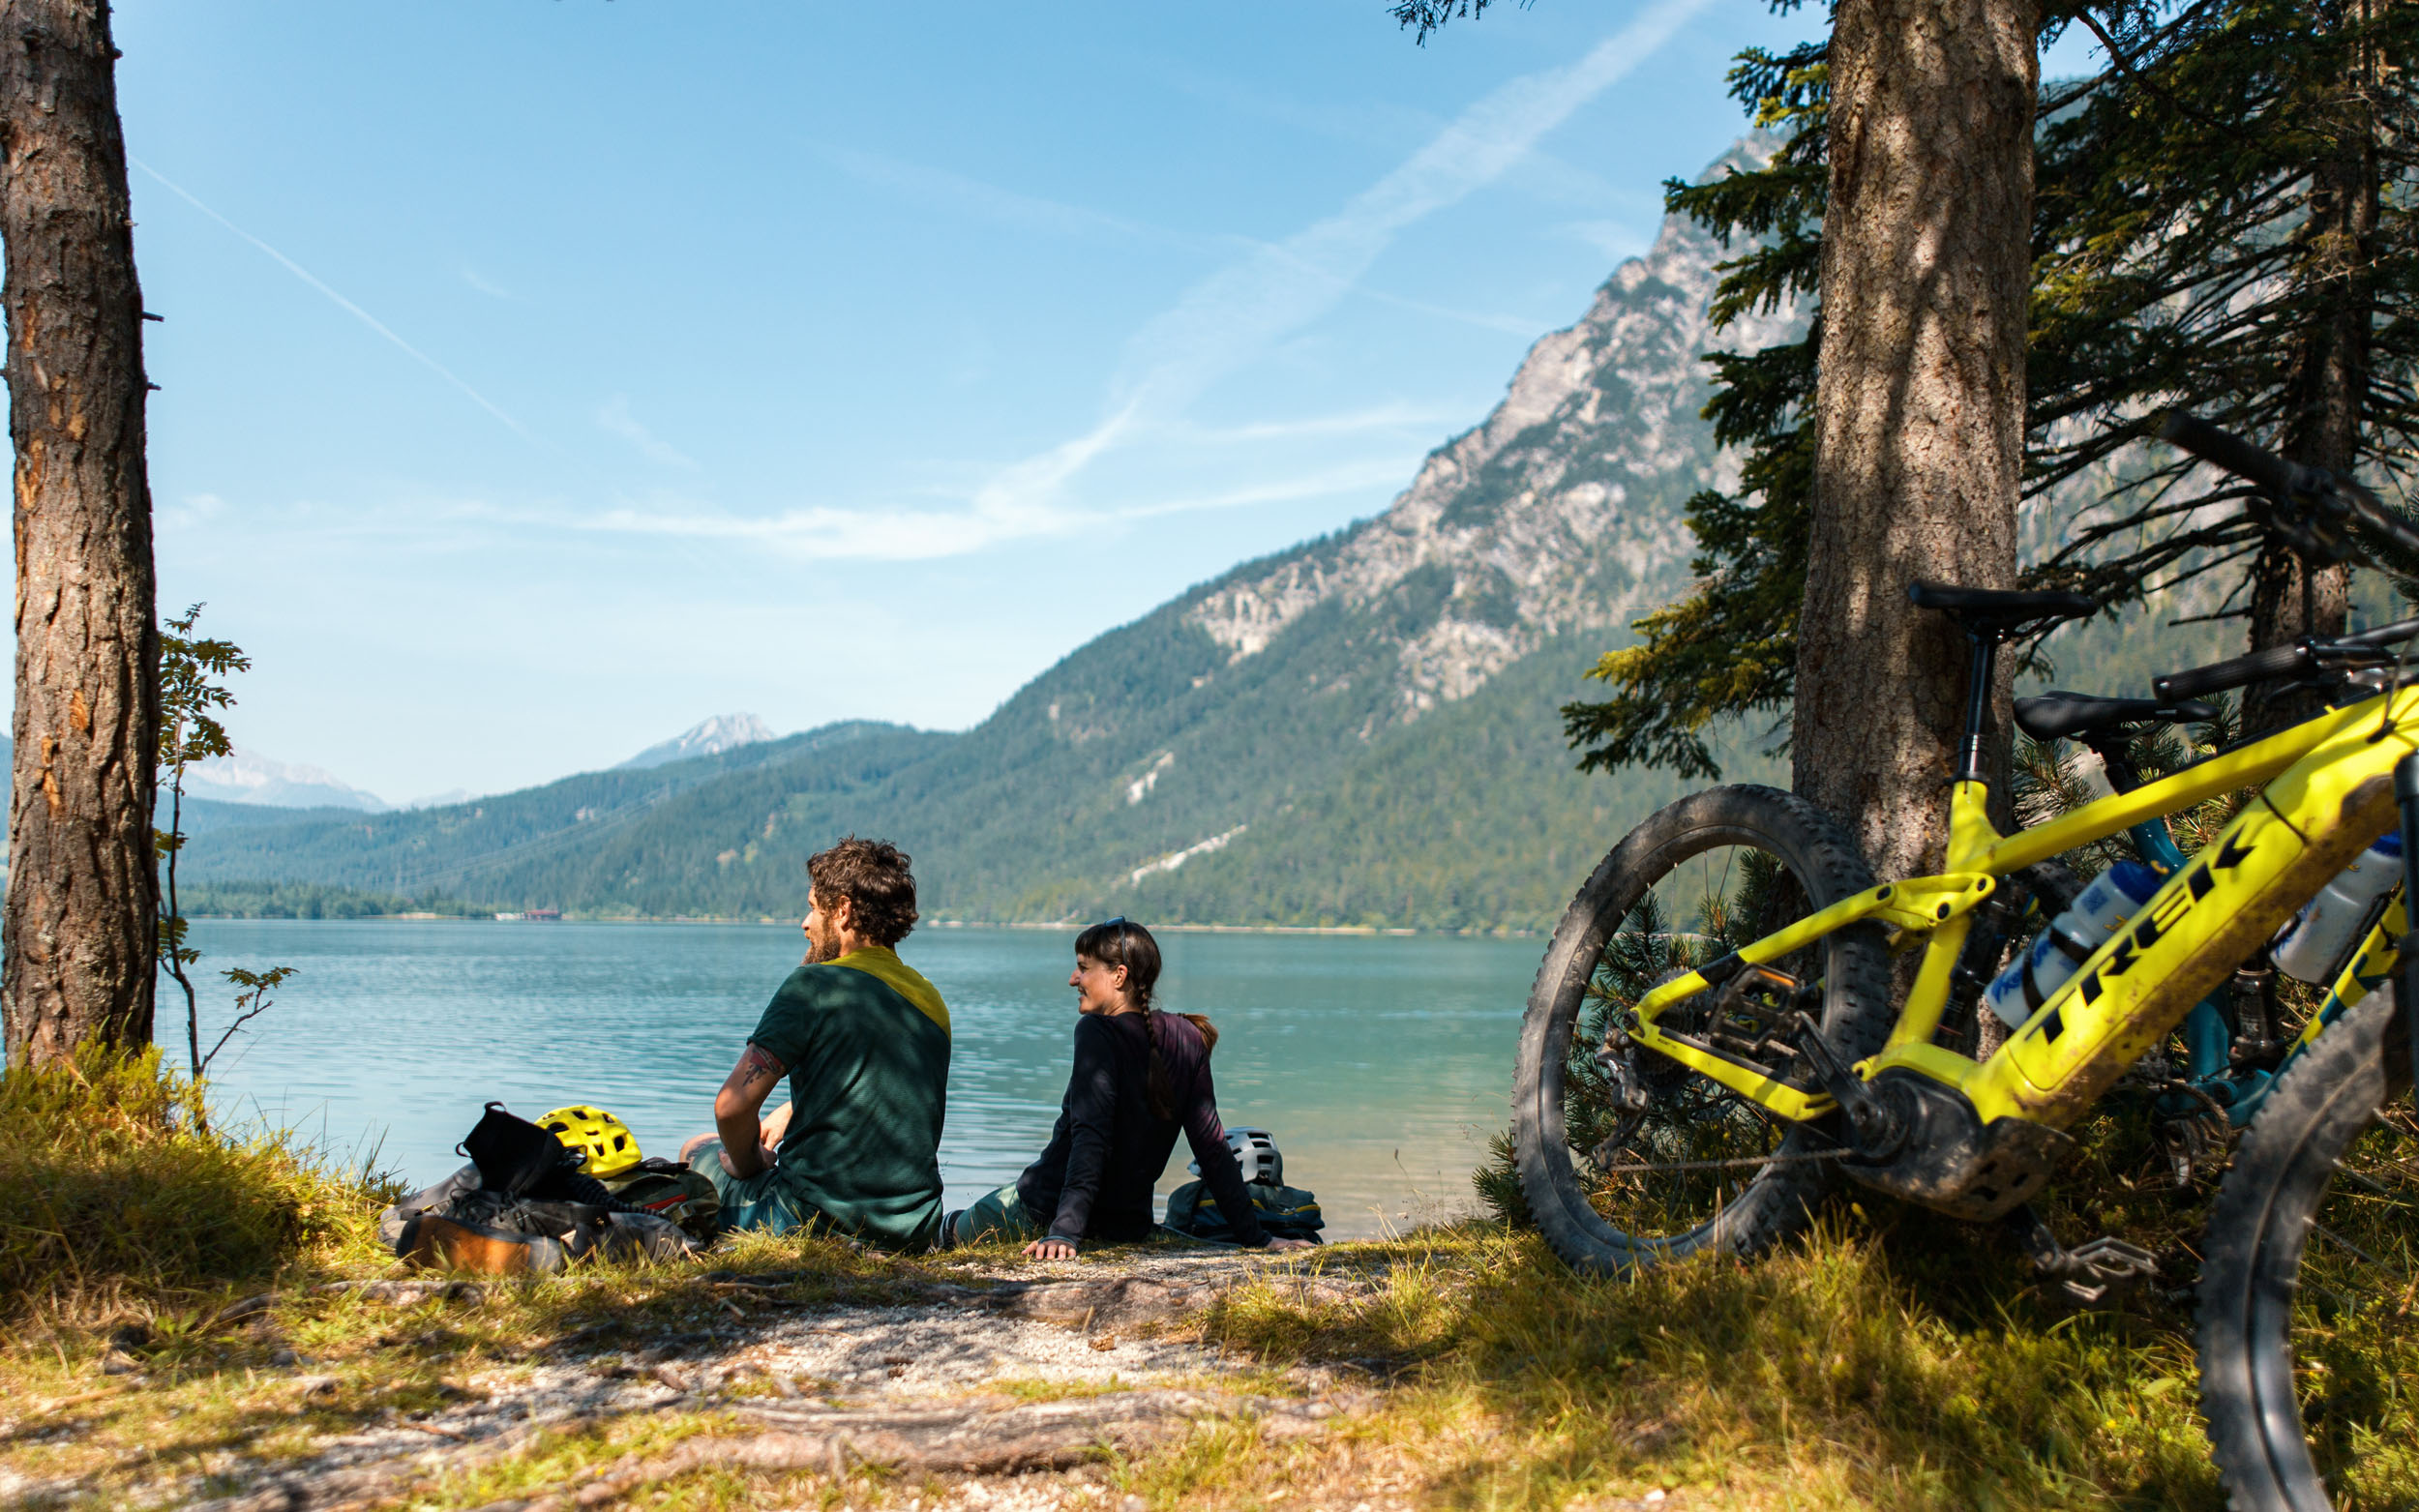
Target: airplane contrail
(355, 311)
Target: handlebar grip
(2254, 464)
(2239, 673)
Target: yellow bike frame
(2325, 792)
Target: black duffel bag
(522, 1205)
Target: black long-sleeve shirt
(1107, 1150)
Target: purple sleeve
(1197, 1105)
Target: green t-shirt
(867, 1043)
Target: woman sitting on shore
(1140, 1075)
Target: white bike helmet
(1255, 1151)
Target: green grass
(1891, 1359)
(1844, 1372)
(112, 1189)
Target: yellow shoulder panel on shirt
(883, 965)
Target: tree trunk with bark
(1920, 403)
(2329, 382)
(80, 927)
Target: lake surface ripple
(1380, 1063)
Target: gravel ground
(918, 1386)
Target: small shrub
(1498, 1184)
(109, 1180)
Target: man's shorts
(763, 1200)
(996, 1216)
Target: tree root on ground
(979, 1437)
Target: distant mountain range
(1361, 730)
(248, 777)
(716, 735)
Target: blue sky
(541, 376)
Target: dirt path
(995, 1391)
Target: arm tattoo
(757, 1065)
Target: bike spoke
(2356, 1300)
(1671, 1167)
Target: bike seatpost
(2407, 974)
(1981, 668)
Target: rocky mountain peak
(1561, 511)
(711, 737)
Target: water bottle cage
(2074, 950)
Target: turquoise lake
(1380, 1063)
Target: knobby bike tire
(1856, 1020)
(2253, 1253)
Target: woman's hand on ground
(1289, 1244)
(1052, 1248)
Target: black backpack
(524, 1190)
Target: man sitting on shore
(865, 1041)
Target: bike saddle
(1996, 611)
(2058, 714)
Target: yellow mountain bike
(1710, 1042)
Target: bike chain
(1738, 1163)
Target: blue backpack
(1285, 1212)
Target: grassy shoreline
(193, 1314)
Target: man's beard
(820, 951)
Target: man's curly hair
(873, 875)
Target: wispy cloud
(486, 286)
(823, 533)
(349, 308)
(1223, 323)
(1355, 422)
(1325, 483)
(1617, 240)
(1361, 123)
(1512, 325)
(1236, 314)
(614, 417)
(190, 513)
(962, 195)
(828, 533)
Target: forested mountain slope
(1359, 731)
(492, 847)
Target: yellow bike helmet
(604, 1144)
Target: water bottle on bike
(2312, 947)
(2086, 925)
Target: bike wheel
(2302, 1343)
(1733, 864)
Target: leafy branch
(250, 1001)
(192, 697)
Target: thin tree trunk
(2328, 384)
(79, 931)
(1920, 403)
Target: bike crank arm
(1877, 1127)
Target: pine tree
(80, 939)
(2223, 220)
